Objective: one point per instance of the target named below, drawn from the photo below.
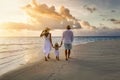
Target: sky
(86, 17)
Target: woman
(47, 43)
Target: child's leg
(58, 58)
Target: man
(67, 39)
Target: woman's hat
(46, 29)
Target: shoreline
(92, 61)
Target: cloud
(102, 26)
(90, 9)
(86, 25)
(113, 11)
(66, 13)
(115, 21)
(108, 32)
(103, 15)
(44, 16)
(97, 32)
(17, 26)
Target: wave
(18, 44)
(12, 60)
(10, 56)
(17, 50)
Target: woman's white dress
(47, 45)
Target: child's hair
(56, 44)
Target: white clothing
(68, 36)
(47, 45)
(57, 52)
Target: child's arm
(53, 46)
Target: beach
(98, 60)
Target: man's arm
(72, 36)
(61, 43)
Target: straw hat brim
(47, 29)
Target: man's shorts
(67, 46)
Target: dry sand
(92, 61)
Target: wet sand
(91, 61)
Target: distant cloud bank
(43, 16)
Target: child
(56, 47)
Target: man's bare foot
(69, 57)
(58, 59)
(66, 59)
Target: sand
(91, 61)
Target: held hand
(52, 45)
(43, 31)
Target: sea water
(18, 51)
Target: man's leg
(69, 53)
(66, 54)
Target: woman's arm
(51, 40)
(42, 34)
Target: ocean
(18, 51)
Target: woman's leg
(46, 55)
(49, 56)
(46, 58)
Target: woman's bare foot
(48, 56)
(46, 59)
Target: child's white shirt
(56, 52)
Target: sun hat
(47, 29)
